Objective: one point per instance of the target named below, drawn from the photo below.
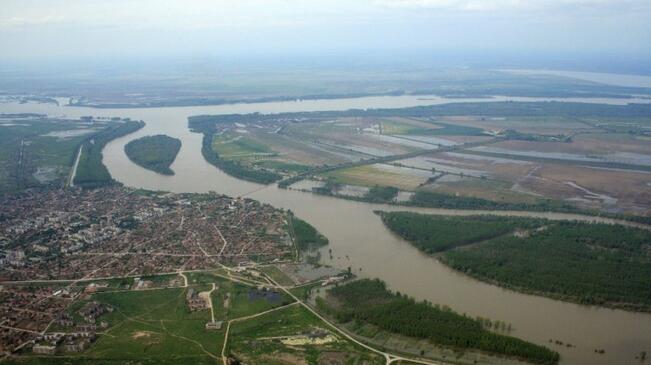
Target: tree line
(369, 301)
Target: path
(73, 171)
(185, 279)
(207, 296)
(228, 326)
(223, 239)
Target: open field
(293, 336)
(612, 190)
(379, 175)
(545, 125)
(235, 146)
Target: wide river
(359, 239)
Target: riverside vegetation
(593, 263)
(91, 172)
(369, 301)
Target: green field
(277, 275)
(153, 326)
(253, 340)
(156, 326)
(282, 166)
(156, 153)
(392, 127)
(235, 167)
(232, 146)
(370, 176)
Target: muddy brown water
(359, 239)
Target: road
(73, 171)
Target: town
(115, 232)
(74, 235)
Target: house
(44, 349)
(214, 325)
(194, 301)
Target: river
(359, 239)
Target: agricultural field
(617, 179)
(380, 174)
(589, 157)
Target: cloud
(183, 26)
(522, 6)
(219, 14)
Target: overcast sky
(62, 28)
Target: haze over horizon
(376, 30)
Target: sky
(36, 30)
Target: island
(155, 153)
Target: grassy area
(449, 201)
(370, 176)
(303, 292)
(252, 344)
(235, 167)
(390, 127)
(156, 153)
(282, 166)
(232, 146)
(245, 300)
(447, 129)
(203, 278)
(277, 275)
(153, 326)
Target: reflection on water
(359, 239)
